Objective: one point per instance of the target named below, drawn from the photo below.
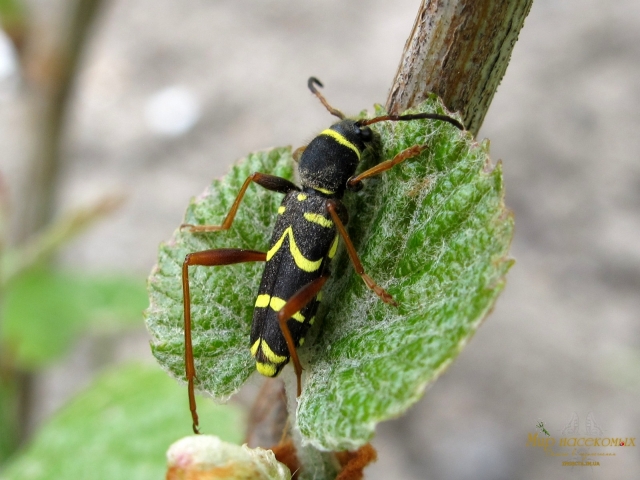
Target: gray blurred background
(170, 93)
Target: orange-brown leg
(296, 303)
(313, 81)
(270, 182)
(332, 207)
(208, 258)
(410, 152)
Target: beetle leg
(410, 152)
(270, 182)
(332, 207)
(207, 258)
(296, 303)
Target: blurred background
(168, 94)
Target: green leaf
(120, 427)
(12, 14)
(9, 418)
(45, 310)
(433, 231)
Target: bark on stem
(458, 49)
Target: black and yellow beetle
(311, 219)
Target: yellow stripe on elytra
(254, 347)
(319, 219)
(334, 248)
(276, 303)
(266, 369)
(263, 300)
(301, 261)
(270, 355)
(301, 197)
(341, 140)
(281, 209)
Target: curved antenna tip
(312, 81)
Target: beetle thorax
(332, 157)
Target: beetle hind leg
(296, 303)
(207, 258)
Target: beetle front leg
(354, 182)
(270, 182)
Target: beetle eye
(365, 134)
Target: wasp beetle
(311, 220)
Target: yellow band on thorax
(323, 190)
(338, 137)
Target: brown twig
(459, 50)
(51, 78)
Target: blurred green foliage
(119, 428)
(11, 10)
(46, 309)
(43, 312)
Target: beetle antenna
(313, 81)
(416, 116)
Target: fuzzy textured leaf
(433, 231)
